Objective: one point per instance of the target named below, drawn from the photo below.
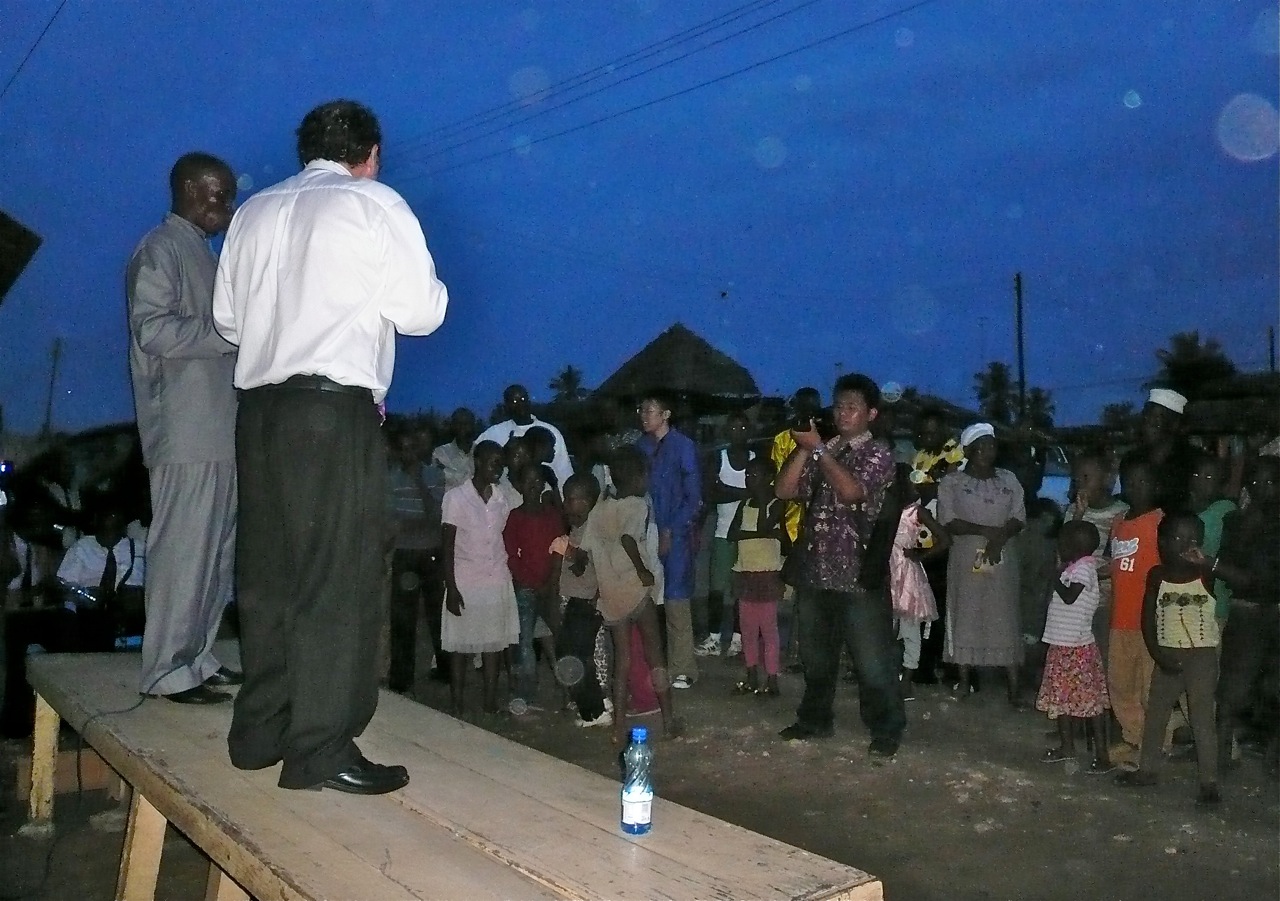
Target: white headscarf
(976, 431)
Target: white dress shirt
(505, 431)
(85, 561)
(317, 275)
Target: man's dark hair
(193, 166)
(342, 130)
(860, 384)
(1173, 519)
(1134, 459)
(662, 398)
(584, 482)
(628, 463)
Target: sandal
(744, 688)
(1057, 755)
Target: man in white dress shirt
(317, 275)
(516, 402)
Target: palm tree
(567, 385)
(1187, 364)
(995, 392)
(1040, 408)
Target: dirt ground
(965, 811)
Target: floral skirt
(1074, 683)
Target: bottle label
(637, 812)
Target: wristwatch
(819, 451)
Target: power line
(608, 68)
(608, 87)
(12, 78)
(680, 93)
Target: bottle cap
(639, 733)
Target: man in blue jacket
(675, 488)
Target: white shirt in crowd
(505, 431)
(84, 562)
(1071, 625)
(317, 275)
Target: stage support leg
(143, 845)
(44, 762)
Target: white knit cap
(1170, 400)
(976, 431)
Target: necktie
(107, 585)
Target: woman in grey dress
(981, 507)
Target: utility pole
(1271, 348)
(1022, 358)
(53, 378)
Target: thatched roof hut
(681, 363)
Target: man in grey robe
(186, 408)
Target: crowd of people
(259, 378)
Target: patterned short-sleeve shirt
(835, 534)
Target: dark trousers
(931, 650)
(1198, 678)
(1250, 652)
(866, 618)
(310, 543)
(416, 588)
(577, 641)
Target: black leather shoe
(366, 778)
(801, 732)
(225, 676)
(201, 694)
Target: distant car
(1057, 477)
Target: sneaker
(710, 647)
(604, 719)
(735, 645)
(681, 681)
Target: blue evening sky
(860, 203)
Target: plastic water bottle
(637, 784)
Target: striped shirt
(1071, 625)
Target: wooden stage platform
(483, 817)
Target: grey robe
(186, 406)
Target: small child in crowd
(615, 538)
(580, 621)
(1074, 688)
(528, 535)
(1207, 497)
(542, 448)
(1094, 503)
(756, 533)
(1180, 628)
(480, 600)
(1249, 562)
(919, 537)
(1133, 554)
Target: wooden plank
(480, 810)
(222, 887)
(278, 845)
(44, 762)
(143, 845)
(481, 786)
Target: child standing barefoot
(1074, 688)
(615, 539)
(479, 598)
(1181, 632)
(756, 533)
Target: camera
(821, 419)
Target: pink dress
(913, 599)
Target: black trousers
(311, 537)
(577, 639)
(416, 588)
